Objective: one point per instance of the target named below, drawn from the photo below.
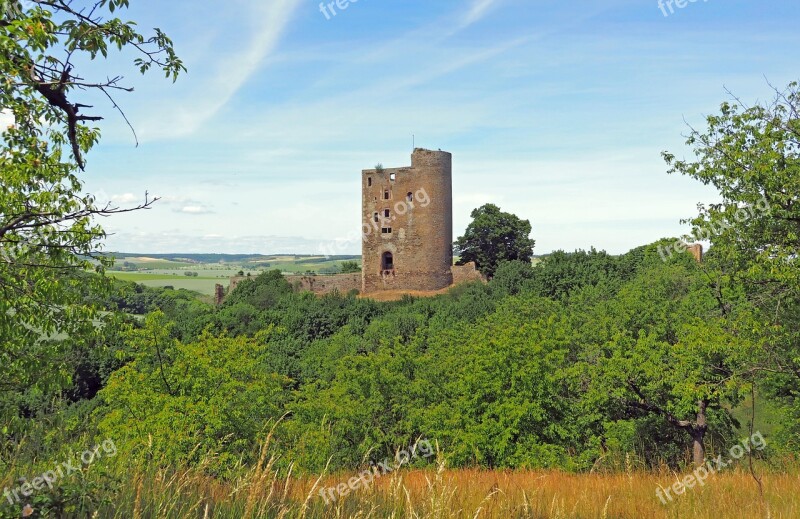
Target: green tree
(491, 391)
(561, 272)
(210, 397)
(512, 277)
(493, 237)
(262, 291)
(752, 156)
(662, 348)
(47, 229)
(349, 267)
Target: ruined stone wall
(344, 283)
(408, 214)
(696, 250)
(219, 294)
(466, 273)
(233, 282)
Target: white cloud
(194, 209)
(126, 198)
(185, 205)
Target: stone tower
(408, 224)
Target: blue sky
(556, 111)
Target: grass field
(161, 271)
(151, 263)
(201, 284)
(466, 493)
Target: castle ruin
(408, 225)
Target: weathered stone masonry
(408, 225)
(344, 283)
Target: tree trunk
(698, 449)
(698, 433)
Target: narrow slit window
(375, 217)
(386, 195)
(369, 181)
(386, 213)
(410, 196)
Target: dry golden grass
(444, 494)
(552, 495)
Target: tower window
(386, 195)
(392, 176)
(375, 216)
(410, 196)
(387, 261)
(386, 230)
(369, 181)
(386, 213)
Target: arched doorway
(387, 261)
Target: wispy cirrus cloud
(476, 11)
(499, 83)
(217, 76)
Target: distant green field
(170, 270)
(204, 285)
(299, 268)
(141, 276)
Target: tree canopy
(492, 237)
(751, 155)
(48, 231)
